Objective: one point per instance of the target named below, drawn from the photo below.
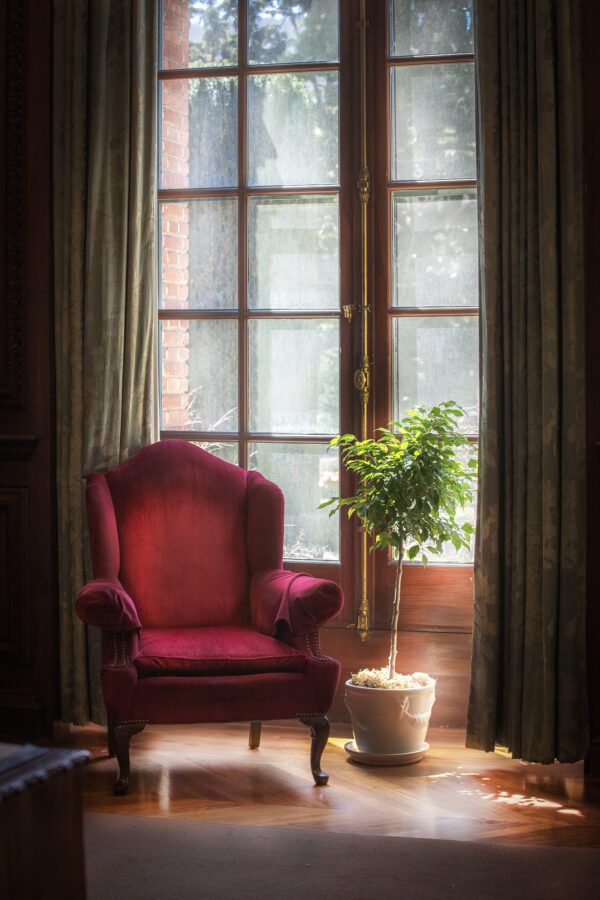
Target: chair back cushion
(181, 521)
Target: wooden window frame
(420, 585)
(340, 571)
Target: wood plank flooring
(208, 773)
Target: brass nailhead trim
(313, 646)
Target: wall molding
(15, 643)
(17, 446)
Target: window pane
(434, 359)
(464, 514)
(199, 33)
(468, 513)
(280, 32)
(433, 122)
(199, 133)
(293, 129)
(199, 375)
(199, 254)
(427, 27)
(435, 249)
(293, 376)
(223, 449)
(307, 474)
(293, 253)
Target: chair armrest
(106, 604)
(296, 600)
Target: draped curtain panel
(528, 678)
(104, 198)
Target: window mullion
(243, 233)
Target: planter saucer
(384, 759)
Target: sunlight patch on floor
(338, 743)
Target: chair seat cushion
(213, 650)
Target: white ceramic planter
(387, 721)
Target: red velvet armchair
(200, 622)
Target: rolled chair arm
(293, 600)
(106, 604)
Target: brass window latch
(348, 310)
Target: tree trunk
(395, 614)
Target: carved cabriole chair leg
(319, 730)
(254, 739)
(110, 735)
(122, 733)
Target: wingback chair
(200, 622)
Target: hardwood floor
(207, 773)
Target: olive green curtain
(104, 197)
(528, 679)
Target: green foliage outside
(410, 488)
(279, 31)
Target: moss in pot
(410, 487)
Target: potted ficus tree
(411, 486)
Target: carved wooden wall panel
(14, 108)
(14, 593)
(591, 104)
(28, 647)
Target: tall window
(425, 237)
(260, 234)
(431, 209)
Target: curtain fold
(528, 672)
(104, 200)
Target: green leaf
(409, 481)
(328, 502)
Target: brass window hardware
(362, 380)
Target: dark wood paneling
(444, 656)
(17, 446)
(14, 617)
(591, 105)
(14, 106)
(436, 598)
(28, 603)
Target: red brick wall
(175, 218)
